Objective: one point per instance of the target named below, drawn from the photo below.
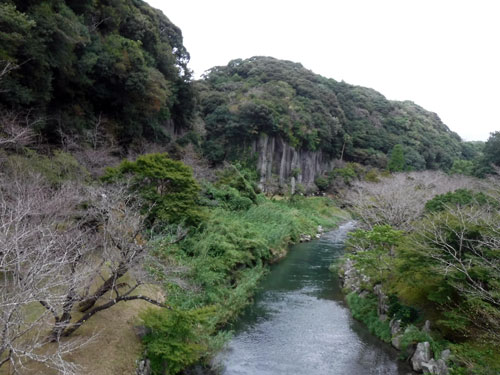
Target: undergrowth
(219, 264)
(365, 310)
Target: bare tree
(464, 243)
(35, 246)
(56, 245)
(400, 199)
(16, 129)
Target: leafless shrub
(95, 161)
(201, 168)
(16, 129)
(399, 200)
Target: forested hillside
(79, 63)
(281, 98)
(139, 208)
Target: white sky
(443, 55)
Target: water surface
(299, 323)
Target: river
(300, 324)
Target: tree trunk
(89, 302)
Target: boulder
(141, 331)
(395, 325)
(396, 341)
(445, 355)
(383, 302)
(427, 327)
(320, 229)
(442, 368)
(434, 367)
(305, 238)
(422, 354)
(143, 367)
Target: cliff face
(278, 162)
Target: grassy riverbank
(221, 263)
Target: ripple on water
(297, 325)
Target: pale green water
(299, 323)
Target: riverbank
(299, 324)
(219, 267)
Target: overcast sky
(443, 55)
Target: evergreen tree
(397, 161)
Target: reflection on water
(299, 323)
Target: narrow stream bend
(299, 323)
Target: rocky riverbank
(420, 354)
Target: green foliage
(412, 335)
(372, 176)
(56, 169)
(399, 311)
(176, 338)
(465, 167)
(459, 197)
(322, 183)
(490, 158)
(397, 160)
(347, 173)
(224, 196)
(122, 59)
(246, 98)
(475, 358)
(373, 250)
(365, 310)
(241, 179)
(167, 186)
(492, 149)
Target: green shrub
(322, 183)
(459, 197)
(241, 179)
(475, 358)
(372, 176)
(397, 310)
(167, 186)
(397, 161)
(56, 169)
(176, 338)
(348, 173)
(412, 335)
(465, 167)
(365, 310)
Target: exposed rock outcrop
(383, 302)
(143, 367)
(422, 355)
(278, 162)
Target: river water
(299, 323)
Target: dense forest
(77, 62)
(263, 94)
(131, 196)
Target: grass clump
(365, 310)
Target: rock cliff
(278, 162)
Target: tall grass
(223, 260)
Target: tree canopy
(72, 60)
(311, 112)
